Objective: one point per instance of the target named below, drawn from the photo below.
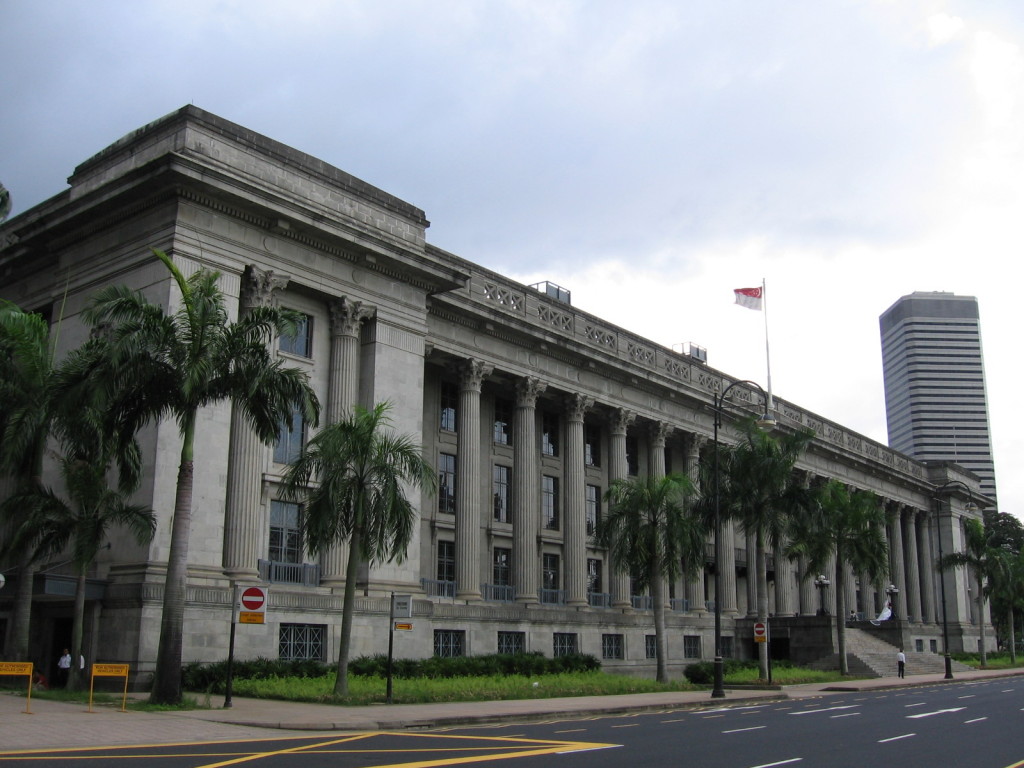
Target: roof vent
(697, 352)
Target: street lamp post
(822, 583)
(718, 690)
(942, 576)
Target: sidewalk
(59, 724)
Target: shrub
(703, 672)
(213, 677)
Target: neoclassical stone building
(528, 408)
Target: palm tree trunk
(762, 601)
(347, 611)
(74, 673)
(167, 678)
(844, 663)
(981, 622)
(1013, 638)
(22, 619)
(658, 597)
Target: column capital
(577, 405)
(659, 432)
(347, 316)
(472, 373)
(260, 285)
(528, 389)
(621, 418)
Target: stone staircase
(870, 655)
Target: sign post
(401, 608)
(248, 606)
(110, 670)
(20, 668)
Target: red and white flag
(751, 298)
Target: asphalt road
(964, 725)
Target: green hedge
(213, 677)
(703, 672)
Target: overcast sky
(649, 156)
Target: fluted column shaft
(926, 562)
(913, 571)
(695, 582)
(342, 396)
(618, 468)
(467, 481)
(808, 600)
(750, 541)
(728, 566)
(526, 494)
(246, 524)
(656, 450)
(785, 592)
(575, 520)
(898, 569)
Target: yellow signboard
(760, 639)
(109, 670)
(15, 667)
(250, 617)
(404, 626)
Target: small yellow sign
(15, 667)
(760, 639)
(250, 617)
(403, 626)
(109, 670)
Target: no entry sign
(252, 605)
(760, 632)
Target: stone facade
(528, 407)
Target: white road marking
(936, 712)
(919, 704)
(975, 720)
(741, 730)
(897, 738)
(825, 709)
(780, 762)
(845, 714)
(969, 696)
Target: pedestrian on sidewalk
(901, 663)
(63, 667)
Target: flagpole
(767, 354)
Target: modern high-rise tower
(935, 401)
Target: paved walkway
(60, 724)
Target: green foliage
(213, 677)
(703, 672)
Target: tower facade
(935, 400)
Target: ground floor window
(651, 645)
(511, 642)
(449, 643)
(565, 643)
(301, 642)
(933, 646)
(726, 647)
(691, 647)
(919, 645)
(611, 647)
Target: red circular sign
(253, 599)
(760, 629)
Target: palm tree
(49, 524)
(25, 376)
(650, 532)
(154, 365)
(759, 490)
(350, 479)
(847, 525)
(1006, 590)
(981, 560)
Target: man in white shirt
(901, 662)
(63, 667)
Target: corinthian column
(347, 317)
(526, 494)
(618, 468)
(467, 481)
(658, 436)
(575, 541)
(695, 581)
(245, 516)
(898, 570)
(913, 572)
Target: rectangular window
(691, 647)
(449, 406)
(502, 490)
(564, 644)
(301, 343)
(594, 577)
(592, 445)
(446, 561)
(285, 533)
(593, 509)
(552, 578)
(511, 642)
(449, 643)
(933, 646)
(502, 567)
(503, 422)
(549, 434)
(919, 645)
(651, 646)
(549, 502)
(291, 436)
(611, 647)
(632, 456)
(446, 484)
(301, 642)
(727, 646)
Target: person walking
(63, 667)
(901, 663)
